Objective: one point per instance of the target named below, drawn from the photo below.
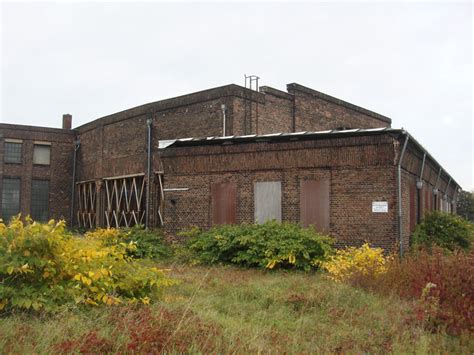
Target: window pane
(41, 154)
(10, 198)
(39, 200)
(12, 152)
(267, 201)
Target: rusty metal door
(224, 203)
(314, 204)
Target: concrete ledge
(297, 87)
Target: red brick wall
(58, 173)
(316, 111)
(360, 170)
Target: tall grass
(229, 310)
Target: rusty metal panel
(314, 204)
(224, 203)
(267, 197)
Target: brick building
(299, 156)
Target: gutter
(77, 144)
(399, 192)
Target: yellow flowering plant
(351, 263)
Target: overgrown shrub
(442, 283)
(42, 266)
(267, 245)
(148, 243)
(445, 230)
(352, 263)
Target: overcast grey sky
(411, 62)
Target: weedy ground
(232, 310)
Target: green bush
(445, 230)
(267, 245)
(44, 267)
(149, 244)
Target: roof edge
(335, 100)
(36, 128)
(175, 102)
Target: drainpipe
(399, 192)
(77, 144)
(419, 187)
(147, 210)
(223, 108)
(446, 193)
(435, 190)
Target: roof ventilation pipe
(224, 109)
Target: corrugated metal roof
(305, 135)
(271, 136)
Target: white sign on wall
(379, 206)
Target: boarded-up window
(40, 200)
(224, 201)
(314, 204)
(10, 198)
(413, 203)
(267, 197)
(42, 154)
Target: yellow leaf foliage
(353, 262)
(43, 266)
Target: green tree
(465, 205)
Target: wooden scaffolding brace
(125, 200)
(87, 197)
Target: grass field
(230, 310)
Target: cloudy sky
(409, 61)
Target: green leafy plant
(148, 243)
(445, 230)
(267, 245)
(43, 267)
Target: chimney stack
(67, 121)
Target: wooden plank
(224, 203)
(315, 204)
